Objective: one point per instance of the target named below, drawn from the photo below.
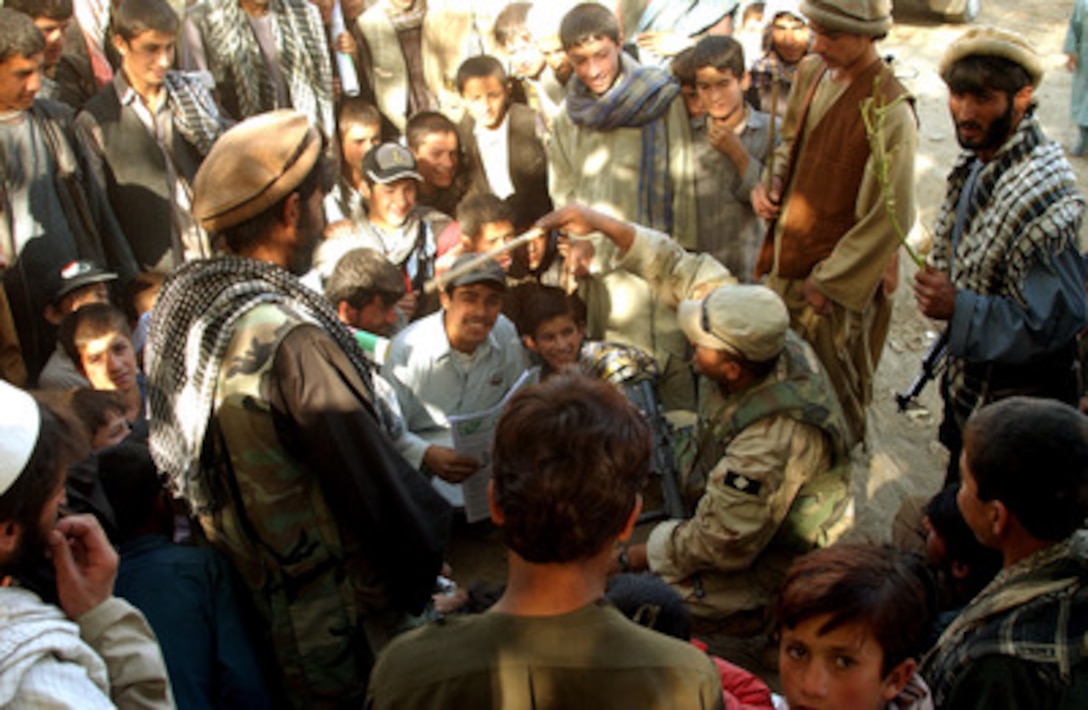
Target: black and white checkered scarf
(191, 327)
(195, 114)
(233, 51)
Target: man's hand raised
(85, 562)
(578, 220)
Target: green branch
(873, 113)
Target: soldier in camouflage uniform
(769, 459)
(264, 417)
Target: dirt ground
(903, 457)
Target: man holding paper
(461, 360)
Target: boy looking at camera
(730, 141)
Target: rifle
(933, 364)
(641, 392)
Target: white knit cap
(20, 423)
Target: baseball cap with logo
(390, 162)
(75, 275)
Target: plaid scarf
(191, 327)
(640, 98)
(195, 114)
(235, 58)
(1033, 611)
(1025, 207)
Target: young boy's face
(391, 203)
(486, 98)
(20, 80)
(839, 670)
(692, 102)
(720, 92)
(356, 139)
(492, 236)
(146, 58)
(109, 362)
(525, 58)
(111, 433)
(436, 158)
(53, 31)
(557, 341)
(596, 62)
(790, 37)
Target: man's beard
(310, 230)
(30, 555)
(996, 134)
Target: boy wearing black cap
(396, 226)
(77, 284)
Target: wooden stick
(771, 136)
(438, 283)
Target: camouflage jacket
(312, 568)
(770, 467)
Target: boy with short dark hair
(433, 140)
(552, 325)
(569, 458)
(145, 135)
(77, 284)
(502, 142)
(52, 18)
(98, 339)
(730, 144)
(683, 69)
(359, 127)
(486, 224)
(853, 621)
(623, 142)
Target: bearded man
(1005, 272)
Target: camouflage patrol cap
(746, 320)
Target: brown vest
(826, 166)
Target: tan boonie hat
(253, 166)
(868, 18)
(20, 424)
(993, 42)
(748, 320)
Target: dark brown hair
(886, 589)
(570, 456)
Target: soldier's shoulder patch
(743, 483)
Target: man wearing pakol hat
(460, 360)
(108, 655)
(831, 240)
(264, 417)
(396, 225)
(769, 458)
(1005, 272)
